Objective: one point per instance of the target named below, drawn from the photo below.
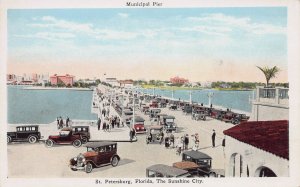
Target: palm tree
(269, 72)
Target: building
(178, 80)
(126, 83)
(112, 81)
(257, 149)
(271, 104)
(67, 80)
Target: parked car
(145, 109)
(139, 125)
(84, 131)
(154, 104)
(127, 115)
(154, 134)
(238, 118)
(173, 107)
(97, 155)
(65, 136)
(199, 115)
(204, 162)
(161, 170)
(154, 112)
(187, 109)
(189, 166)
(168, 123)
(28, 133)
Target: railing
(275, 95)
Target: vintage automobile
(65, 136)
(199, 115)
(154, 112)
(238, 118)
(228, 116)
(168, 123)
(189, 166)
(127, 115)
(139, 125)
(163, 103)
(145, 109)
(84, 131)
(154, 134)
(204, 162)
(187, 109)
(217, 113)
(173, 107)
(98, 154)
(161, 170)
(153, 104)
(28, 133)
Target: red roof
(270, 136)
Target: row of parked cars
(75, 135)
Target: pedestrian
(104, 112)
(104, 126)
(99, 123)
(118, 122)
(186, 141)
(61, 122)
(67, 121)
(107, 112)
(131, 134)
(213, 138)
(172, 140)
(161, 137)
(57, 120)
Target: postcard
(149, 93)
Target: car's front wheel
(114, 161)
(32, 139)
(77, 143)
(49, 143)
(88, 168)
(73, 169)
(8, 139)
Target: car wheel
(49, 143)
(114, 161)
(73, 169)
(77, 143)
(32, 139)
(8, 139)
(88, 168)
(84, 140)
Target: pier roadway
(35, 160)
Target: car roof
(185, 165)
(168, 117)
(139, 119)
(196, 155)
(66, 129)
(98, 144)
(167, 170)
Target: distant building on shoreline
(112, 81)
(178, 80)
(125, 83)
(27, 79)
(67, 79)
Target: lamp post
(210, 96)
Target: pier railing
(277, 95)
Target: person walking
(104, 126)
(99, 123)
(57, 120)
(67, 121)
(131, 134)
(172, 140)
(61, 122)
(186, 142)
(213, 138)
(161, 137)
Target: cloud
(48, 36)
(244, 24)
(123, 15)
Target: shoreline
(56, 88)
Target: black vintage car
(28, 133)
(204, 162)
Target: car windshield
(169, 120)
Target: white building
(257, 149)
(111, 81)
(126, 83)
(271, 104)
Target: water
(238, 100)
(43, 106)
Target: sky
(200, 44)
